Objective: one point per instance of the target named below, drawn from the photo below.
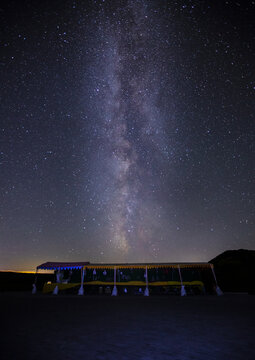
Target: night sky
(127, 130)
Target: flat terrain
(89, 327)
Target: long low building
(138, 278)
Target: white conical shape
(146, 292)
(55, 291)
(81, 290)
(114, 291)
(34, 289)
(218, 291)
(183, 291)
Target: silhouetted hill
(235, 270)
(14, 281)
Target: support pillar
(183, 291)
(146, 291)
(81, 289)
(114, 290)
(217, 289)
(55, 291)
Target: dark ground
(93, 327)
(15, 281)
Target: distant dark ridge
(235, 270)
(15, 281)
(235, 255)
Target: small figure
(34, 289)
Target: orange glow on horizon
(29, 271)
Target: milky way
(131, 129)
(127, 131)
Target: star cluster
(127, 130)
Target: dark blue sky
(127, 130)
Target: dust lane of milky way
(131, 133)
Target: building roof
(79, 265)
(61, 265)
(149, 265)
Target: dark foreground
(72, 327)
